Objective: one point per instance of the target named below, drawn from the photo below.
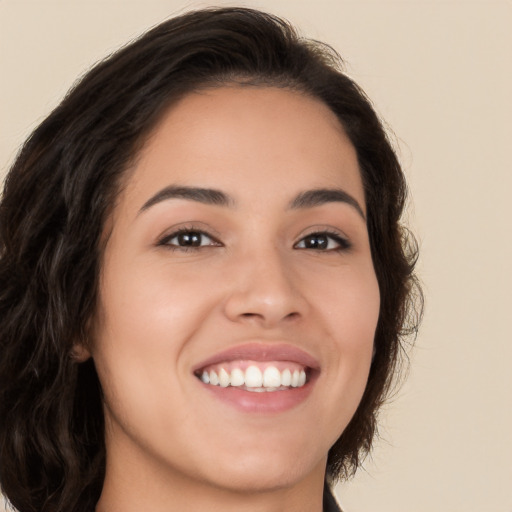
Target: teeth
(272, 377)
(214, 378)
(295, 379)
(223, 378)
(254, 379)
(286, 378)
(237, 377)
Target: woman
(204, 282)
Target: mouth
(260, 378)
(256, 376)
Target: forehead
(252, 142)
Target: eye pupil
(189, 239)
(316, 242)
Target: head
(59, 204)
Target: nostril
(290, 316)
(259, 305)
(268, 319)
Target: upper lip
(261, 352)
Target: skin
(163, 309)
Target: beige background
(440, 73)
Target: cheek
(351, 304)
(348, 309)
(142, 327)
(147, 316)
(351, 311)
(151, 301)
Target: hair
(61, 190)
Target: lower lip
(261, 402)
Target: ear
(80, 353)
(81, 349)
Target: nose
(264, 290)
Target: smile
(259, 377)
(255, 376)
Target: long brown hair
(62, 188)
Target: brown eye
(191, 239)
(188, 240)
(320, 242)
(323, 242)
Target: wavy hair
(61, 190)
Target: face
(238, 300)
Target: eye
(188, 239)
(323, 242)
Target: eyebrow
(201, 195)
(307, 199)
(318, 197)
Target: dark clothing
(330, 504)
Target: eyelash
(165, 241)
(342, 243)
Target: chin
(260, 474)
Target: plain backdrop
(439, 73)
